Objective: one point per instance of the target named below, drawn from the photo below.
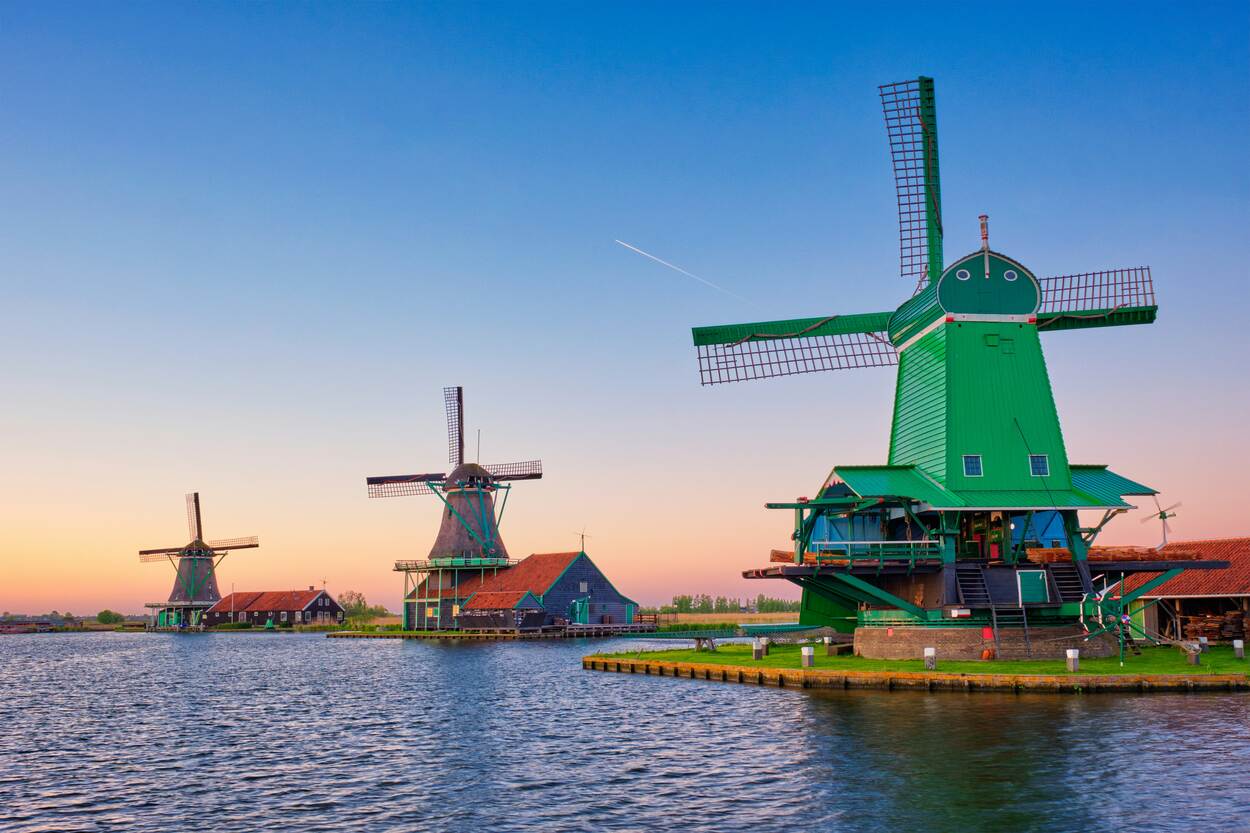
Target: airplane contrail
(683, 271)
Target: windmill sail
(763, 350)
(453, 400)
(1097, 299)
(910, 112)
(195, 525)
(400, 485)
(529, 470)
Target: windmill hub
(469, 476)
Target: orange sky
(674, 505)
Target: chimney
(310, 587)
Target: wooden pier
(917, 680)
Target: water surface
(244, 732)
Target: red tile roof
(535, 574)
(470, 583)
(496, 599)
(1232, 581)
(249, 600)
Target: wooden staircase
(1066, 580)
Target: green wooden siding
(993, 296)
(919, 433)
(1000, 406)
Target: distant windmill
(195, 583)
(470, 523)
(468, 547)
(1162, 516)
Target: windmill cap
(469, 473)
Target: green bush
(109, 617)
(233, 626)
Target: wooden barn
(261, 607)
(1210, 603)
(555, 588)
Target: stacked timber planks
(1216, 627)
(1050, 555)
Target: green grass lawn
(1162, 660)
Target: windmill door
(1033, 589)
(579, 612)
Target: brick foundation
(968, 643)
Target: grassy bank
(1218, 660)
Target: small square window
(1039, 465)
(583, 587)
(972, 465)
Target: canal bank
(1156, 670)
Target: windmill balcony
(880, 551)
(453, 563)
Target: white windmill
(1162, 515)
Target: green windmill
(973, 521)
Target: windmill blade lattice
(719, 363)
(911, 125)
(766, 349)
(528, 470)
(228, 544)
(401, 485)
(453, 400)
(195, 524)
(1097, 291)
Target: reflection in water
(280, 731)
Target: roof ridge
(1211, 540)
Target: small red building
(259, 607)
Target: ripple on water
(143, 732)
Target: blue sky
(243, 246)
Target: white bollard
(829, 649)
(809, 656)
(1074, 659)
(764, 641)
(930, 659)
(1239, 648)
(757, 650)
(1203, 644)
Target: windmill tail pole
(985, 242)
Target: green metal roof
(829, 325)
(1035, 499)
(1101, 482)
(916, 313)
(896, 481)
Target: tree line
(705, 603)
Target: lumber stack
(1141, 554)
(809, 558)
(1217, 627)
(1048, 555)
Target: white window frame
(583, 587)
(284, 616)
(1045, 458)
(980, 465)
